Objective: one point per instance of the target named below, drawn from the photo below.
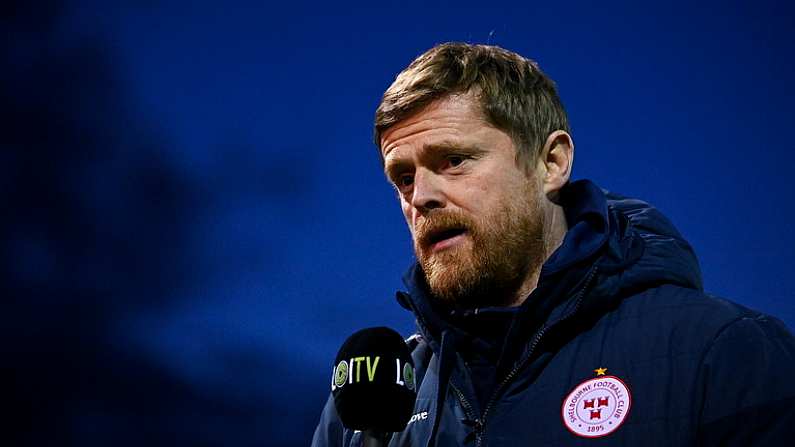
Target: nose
(428, 191)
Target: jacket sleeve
(330, 432)
(747, 378)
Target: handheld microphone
(373, 384)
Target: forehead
(455, 117)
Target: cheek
(407, 209)
(480, 195)
(488, 199)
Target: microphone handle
(375, 438)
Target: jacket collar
(631, 244)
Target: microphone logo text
(351, 371)
(363, 369)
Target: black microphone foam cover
(373, 381)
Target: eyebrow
(447, 146)
(394, 168)
(396, 165)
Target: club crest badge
(596, 407)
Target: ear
(555, 163)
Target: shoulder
(747, 375)
(720, 337)
(685, 327)
(671, 305)
(728, 368)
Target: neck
(555, 228)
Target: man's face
(473, 212)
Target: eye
(405, 180)
(455, 160)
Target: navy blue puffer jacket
(618, 345)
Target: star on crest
(600, 371)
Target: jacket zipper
(464, 402)
(467, 409)
(481, 423)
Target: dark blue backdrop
(195, 219)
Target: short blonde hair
(515, 96)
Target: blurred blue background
(194, 216)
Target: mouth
(443, 238)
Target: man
(551, 312)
